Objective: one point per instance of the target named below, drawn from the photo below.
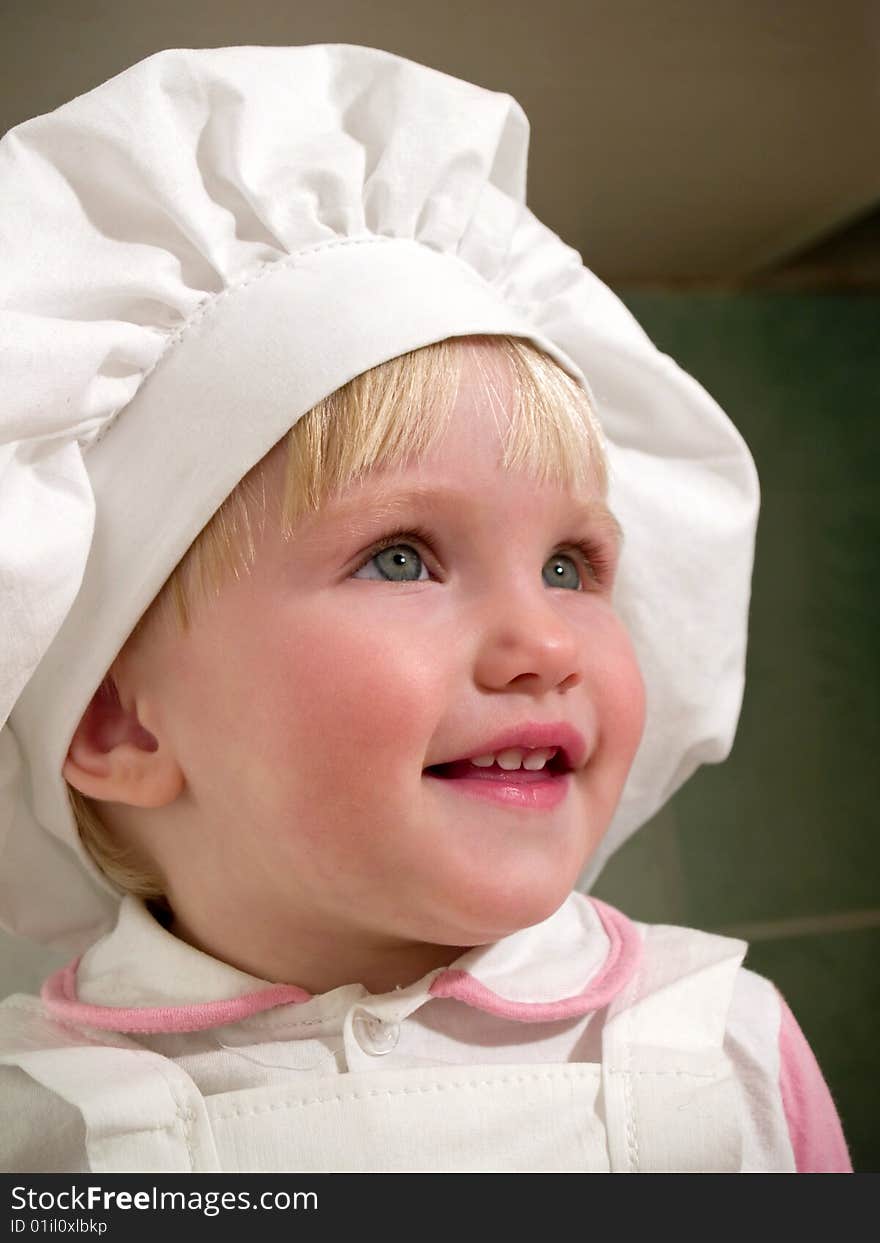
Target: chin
(498, 913)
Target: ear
(113, 757)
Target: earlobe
(112, 756)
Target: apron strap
(671, 1100)
(142, 1113)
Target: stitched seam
(212, 300)
(282, 1026)
(186, 1122)
(144, 1130)
(675, 1074)
(632, 1143)
(168, 1128)
(185, 1116)
(421, 1090)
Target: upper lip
(531, 734)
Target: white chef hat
(196, 252)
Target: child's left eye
(590, 555)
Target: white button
(374, 1036)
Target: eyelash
(591, 554)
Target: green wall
(779, 844)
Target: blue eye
(397, 559)
(556, 576)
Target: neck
(317, 960)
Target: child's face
(305, 707)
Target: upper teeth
(517, 757)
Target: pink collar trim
(60, 1000)
(59, 994)
(624, 951)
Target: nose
(530, 639)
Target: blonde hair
(376, 421)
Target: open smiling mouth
(542, 789)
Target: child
(369, 577)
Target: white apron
(663, 1099)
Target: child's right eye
(395, 543)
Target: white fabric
(194, 253)
(677, 1073)
(115, 972)
(664, 1069)
(753, 1046)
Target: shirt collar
(140, 978)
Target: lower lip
(531, 791)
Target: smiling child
(372, 578)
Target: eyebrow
(389, 503)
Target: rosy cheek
(623, 692)
(344, 722)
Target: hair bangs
(379, 421)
